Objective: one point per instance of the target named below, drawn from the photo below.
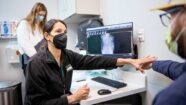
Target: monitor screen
(112, 40)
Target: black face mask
(60, 41)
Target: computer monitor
(111, 40)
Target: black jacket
(44, 82)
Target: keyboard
(109, 82)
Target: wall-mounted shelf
(8, 36)
(13, 61)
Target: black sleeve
(36, 87)
(87, 62)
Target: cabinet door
(66, 8)
(88, 7)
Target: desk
(136, 83)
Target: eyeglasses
(166, 17)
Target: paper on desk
(78, 76)
(94, 86)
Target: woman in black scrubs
(49, 72)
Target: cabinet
(75, 11)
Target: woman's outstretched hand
(139, 64)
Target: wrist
(122, 61)
(150, 66)
(129, 61)
(71, 99)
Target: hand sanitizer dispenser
(12, 52)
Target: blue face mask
(41, 18)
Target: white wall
(72, 36)
(138, 11)
(16, 10)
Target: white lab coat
(26, 39)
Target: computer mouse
(104, 91)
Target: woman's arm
(87, 62)
(100, 62)
(137, 63)
(23, 32)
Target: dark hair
(50, 24)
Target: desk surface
(136, 83)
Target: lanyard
(62, 72)
(63, 78)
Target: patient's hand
(147, 66)
(143, 63)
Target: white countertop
(136, 83)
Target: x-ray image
(107, 44)
(112, 40)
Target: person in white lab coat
(30, 32)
